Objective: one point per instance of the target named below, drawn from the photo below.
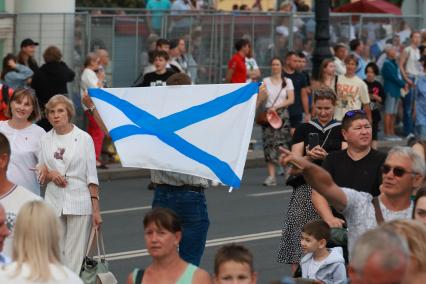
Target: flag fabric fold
(202, 130)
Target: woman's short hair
(36, 240)
(19, 95)
(89, 58)
(163, 218)
(52, 54)
(324, 93)
(373, 67)
(61, 99)
(415, 234)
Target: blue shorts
(391, 104)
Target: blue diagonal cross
(165, 128)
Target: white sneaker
(270, 181)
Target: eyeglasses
(397, 171)
(354, 112)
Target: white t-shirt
(360, 214)
(313, 267)
(12, 202)
(25, 148)
(412, 65)
(60, 274)
(89, 79)
(251, 64)
(274, 90)
(352, 93)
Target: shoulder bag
(95, 270)
(262, 117)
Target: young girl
(377, 97)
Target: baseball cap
(27, 42)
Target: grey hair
(392, 249)
(417, 163)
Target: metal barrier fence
(209, 36)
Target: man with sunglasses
(357, 166)
(402, 172)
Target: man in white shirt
(12, 196)
(402, 172)
(410, 68)
(4, 232)
(340, 53)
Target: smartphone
(313, 140)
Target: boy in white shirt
(319, 262)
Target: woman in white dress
(24, 138)
(36, 250)
(68, 154)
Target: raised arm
(317, 178)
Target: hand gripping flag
(201, 130)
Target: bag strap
(95, 233)
(138, 275)
(379, 216)
(335, 83)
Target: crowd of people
(323, 140)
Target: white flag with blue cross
(201, 130)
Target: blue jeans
(191, 207)
(407, 105)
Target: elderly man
(402, 172)
(4, 232)
(379, 256)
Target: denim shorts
(391, 104)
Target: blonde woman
(36, 250)
(72, 181)
(414, 233)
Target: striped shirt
(177, 179)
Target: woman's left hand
(96, 219)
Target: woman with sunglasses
(312, 140)
(280, 95)
(24, 137)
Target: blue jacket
(332, 271)
(392, 81)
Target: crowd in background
(330, 125)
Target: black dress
(300, 208)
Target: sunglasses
(354, 112)
(397, 171)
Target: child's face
(309, 243)
(235, 273)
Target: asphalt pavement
(251, 215)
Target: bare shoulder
(201, 277)
(129, 279)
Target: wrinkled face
(391, 53)
(21, 108)
(420, 211)
(394, 184)
(160, 63)
(276, 66)
(29, 50)
(4, 230)
(324, 110)
(232, 272)
(351, 66)
(159, 241)
(309, 243)
(58, 116)
(359, 134)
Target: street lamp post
(322, 35)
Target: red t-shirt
(238, 64)
(3, 105)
